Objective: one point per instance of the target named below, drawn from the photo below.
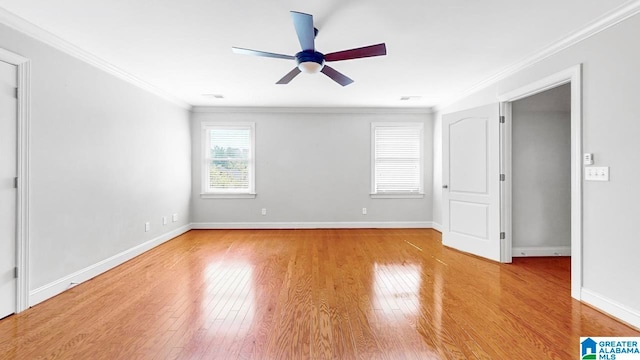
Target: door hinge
(15, 272)
(503, 236)
(502, 177)
(15, 182)
(502, 119)
(15, 92)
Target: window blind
(229, 159)
(398, 159)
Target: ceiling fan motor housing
(310, 61)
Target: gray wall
(311, 166)
(106, 157)
(611, 88)
(541, 170)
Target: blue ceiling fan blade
(304, 28)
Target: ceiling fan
(311, 61)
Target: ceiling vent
(215, 96)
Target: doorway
(8, 192)
(572, 77)
(541, 176)
(17, 94)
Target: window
(397, 160)
(228, 169)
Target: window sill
(397, 196)
(227, 196)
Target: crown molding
(310, 110)
(17, 23)
(606, 21)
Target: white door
(8, 171)
(471, 181)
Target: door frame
(573, 76)
(23, 66)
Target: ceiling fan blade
(336, 75)
(363, 52)
(287, 78)
(261, 53)
(304, 28)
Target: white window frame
(205, 150)
(396, 195)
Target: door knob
(445, 186)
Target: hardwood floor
(312, 294)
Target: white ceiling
(436, 48)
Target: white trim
(571, 75)
(436, 226)
(397, 196)
(626, 314)
(506, 255)
(54, 288)
(310, 110)
(40, 34)
(316, 225)
(541, 251)
(547, 83)
(22, 202)
(606, 21)
(227, 196)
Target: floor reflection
(228, 300)
(396, 290)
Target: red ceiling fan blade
(363, 52)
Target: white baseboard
(52, 289)
(436, 226)
(541, 251)
(612, 307)
(314, 225)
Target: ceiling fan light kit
(311, 61)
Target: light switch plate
(596, 173)
(588, 159)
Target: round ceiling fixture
(310, 61)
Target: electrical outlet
(264, 211)
(364, 211)
(596, 173)
(175, 217)
(147, 226)
(164, 220)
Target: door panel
(470, 173)
(8, 171)
(468, 155)
(470, 219)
